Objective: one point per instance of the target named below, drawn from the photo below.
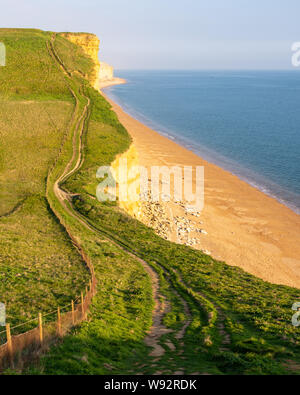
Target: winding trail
(65, 199)
(225, 337)
(156, 338)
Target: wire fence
(17, 350)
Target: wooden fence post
(59, 322)
(41, 328)
(73, 312)
(9, 345)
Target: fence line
(27, 346)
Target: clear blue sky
(172, 34)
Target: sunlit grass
(40, 268)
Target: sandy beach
(114, 81)
(239, 224)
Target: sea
(247, 122)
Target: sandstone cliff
(106, 72)
(90, 44)
(125, 170)
(130, 179)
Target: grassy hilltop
(218, 319)
(39, 266)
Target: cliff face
(90, 44)
(106, 72)
(130, 179)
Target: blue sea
(247, 122)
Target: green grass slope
(221, 320)
(256, 315)
(39, 267)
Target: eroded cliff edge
(124, 169)
(102, 76)
(90, 44)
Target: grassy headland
(40, 269)
(218, 319)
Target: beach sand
(114, 81)
(244, 227)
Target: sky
(172, 34)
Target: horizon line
(206, 69)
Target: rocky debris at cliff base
(192, 242)
(154, 215)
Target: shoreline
(240, 224)
(107, 83)
(259, 182)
